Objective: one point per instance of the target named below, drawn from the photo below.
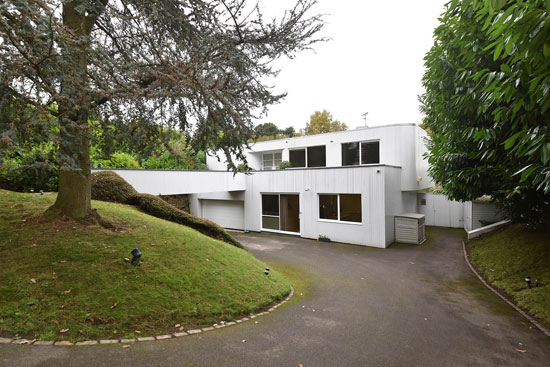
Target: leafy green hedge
(109, 186)
(179, 201)
(157, 207)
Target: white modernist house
(345, 186)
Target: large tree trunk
(74, 197)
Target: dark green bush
(37, 176)
(25, 170)
(109, 186)
(179, 201)
(159, 208)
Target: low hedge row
(109, 186)
(159, 208)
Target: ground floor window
(281, 212)
(340, 207)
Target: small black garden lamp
(136, 255)
(528, 281)
(536, 282)
(32, 191)
(266, 271)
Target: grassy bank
(66, 281)
(506, 256)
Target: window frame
(338, 209)
(279, 215)
(273, 167)
(305, 149)
(360, 143)
(305, 156)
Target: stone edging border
(222, 324)
(530, 318)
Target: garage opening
(281, 212)
(226, 213)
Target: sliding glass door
(281, 212)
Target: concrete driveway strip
(403, 306)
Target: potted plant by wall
(285, 165)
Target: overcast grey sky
(374, 63)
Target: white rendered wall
(468, 216)
(422, 164)
(167, 182)
(442, 212)
(397, 202)
(194, 199)
(484, 211)
(400, 145)
(309, 183)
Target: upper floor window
(309, 157)
(367, 152)
(272, 160)
(297, 157)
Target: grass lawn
(66, 281)
(506, 256)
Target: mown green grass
(506, 256)
(185, 277)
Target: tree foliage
(200, 65)
(487, 103)
(323, 122)
(266, 129)
(270, 131)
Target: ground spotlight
(136, 255)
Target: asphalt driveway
(354, 306)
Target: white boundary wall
(168, 182)
(441, 212)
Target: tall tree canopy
(266, 129)
(200, 65)
(323, 122)
(487, 104)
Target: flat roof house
(345, 186)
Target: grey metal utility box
(409, 228)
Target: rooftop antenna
(365, 118)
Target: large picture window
(308, 157)
(272, 161)
(328, 207)
(356, 153)
(297, 158)
(340, 207)
(317, 156)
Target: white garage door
(227, 213)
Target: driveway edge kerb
(530, 318)
(223, 324)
